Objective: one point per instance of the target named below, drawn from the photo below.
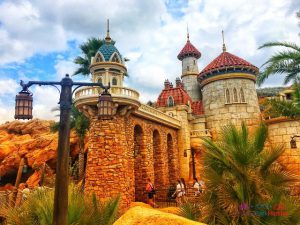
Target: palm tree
(283, 62)
(242, 175)
(89, 50)
(80, 123)
(277, 107)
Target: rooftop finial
(187, 31)
(108, 39)
(224, 47)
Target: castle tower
(228, 92)
(108, 64)
(189, 56)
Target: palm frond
(190, 211)
(281, 44)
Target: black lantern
(293, 143)
(23, 108)
(185, 153)
(105, 106)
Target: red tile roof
(179, 95)
(197, 108)
(227, 60)
(189, 50)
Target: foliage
(80, 123)
(89, 50)
(38, 209)
(283, 62)
(269, 91)
(240, 171)
(190, 210)
(276, 107)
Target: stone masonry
(124, 152)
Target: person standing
(183, 187)
(196, 187)
(178, 192)
(150, 193)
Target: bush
(38, 209)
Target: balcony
(121, 95)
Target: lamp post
(293, 142)
(23, 110)
(193, 160)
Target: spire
(224, 47)
(107, 38)
(187, 32)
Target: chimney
(178, 82)
(167, 84)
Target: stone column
(108, 171)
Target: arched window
(99, 58)
(114, 81)
(235, 95)
(170, 101)
(227, 96)
(115, 58)
(242, 95)
(99, 80)
(188, 68)
(194, 62)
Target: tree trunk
(81, 158)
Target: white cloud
(147, 32)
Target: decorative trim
(228, 76)
(189, 74)
(107, 64)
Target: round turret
(228, 92)
(108, 64)
(189, 56)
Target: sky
(40, 39)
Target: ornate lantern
(23, 108)
(293, 143)
(185, 153)
(105, 106)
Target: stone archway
(139, 161)
(171, 160)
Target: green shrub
(38, 209)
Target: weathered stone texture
(219, 113)
(280, 134)
(124, 152)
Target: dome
(108, 49)
(172, 96)
(227, 63)
(189, 50)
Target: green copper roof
(108, 49)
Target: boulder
(32, 141)
(139, 215)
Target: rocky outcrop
(32, 141)
(145, 215)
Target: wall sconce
(293, 142)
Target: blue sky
(39, 39)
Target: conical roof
(227, 61)
(189, 50)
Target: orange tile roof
(197, 108)
(227, 60)
(179, 95)
(189, 50)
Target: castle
(165, 142)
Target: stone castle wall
(280, 132)
(219, 113)
(191, 86)
(124, 152)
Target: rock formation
(32, 141)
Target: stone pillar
(109, 171)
